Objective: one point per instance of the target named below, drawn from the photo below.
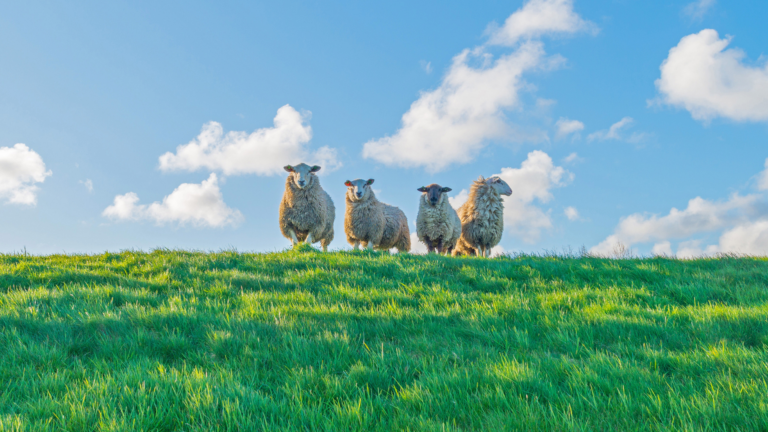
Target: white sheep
(482, 217)
(437, 224)
(306, 211)
(370, 223)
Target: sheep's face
(302, 174)
(500, 186)
(434, 193)
(359, 190)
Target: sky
(618, 124)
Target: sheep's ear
(288, 168)
(422, 189)
(369, 182)
(348, 183)
(447, 189)
(315, 168)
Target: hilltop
(303, 340)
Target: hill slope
(303, 340)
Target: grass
(302, 340)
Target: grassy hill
(303, 340)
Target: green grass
(302, 340)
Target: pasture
(366, 341)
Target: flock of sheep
(307, 214)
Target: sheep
(370, 223)
(437, 224)
(306, 211)
(482, 217)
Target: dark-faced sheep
(437, 224)
(482, 217)
(370, 223)
(306, 211)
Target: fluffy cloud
(537, 18)
(566, 127)
(616, 132)
(698, 9)
(700, 216)
(20, 169)
(459, 199)
(263, 152)
(453, 122)
(571, 213)
(195, 204)
(747, 238)
(710, 81)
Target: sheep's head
(359, 190)
(434, 193)
(500, 186)
(302, 174)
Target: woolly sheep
(482, 217)
(306, 211)
(371, 223)
(437, 225)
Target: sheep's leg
(481, 250)
(325, 247)
(440, 246)
(309, 238)
(369, 246)
(294, 240)
(488, 252)
(356, 246)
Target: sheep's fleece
(482, 217)
(371, 223)
(306, 211)
(437, 224)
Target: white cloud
(533, 181)
(454, 122)
(710, 81)
(459, 199)
(700, 216)
(264, 152)
(662, 249)
(615, 132)
(190, 203)
(697, 9)
(88, 184)
(571, 213)
(537, 18)
(566, 127)
(572, 158)
(20, 169)
(748, 238)
(417, 247)
(427, 66)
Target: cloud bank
(262, 152)
(741, 221)
(200, 205)
(452, 123)
(21, 168)
(703, 77)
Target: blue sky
(631, 122)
